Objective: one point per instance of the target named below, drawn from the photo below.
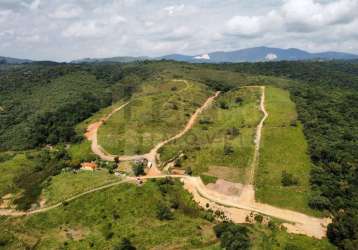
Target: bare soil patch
(226, 187)
(224, 173)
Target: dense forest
(326, 96)
(41, 103)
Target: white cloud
(271, 57)
(172, 10)
(245, 25)
(34, 5)
(66, 11)
(93, 28)
(68, 29)
(295, 16)
(203, 56)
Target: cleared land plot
(68, 184)
(221, 143)
(283, 148)
(157, 112)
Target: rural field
(183, 161)
(128, 211)
(283, 148)
(156, 113)
(221, 143)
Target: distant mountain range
(10, 60)
(259, 54)
(121, 59)
(256, 54)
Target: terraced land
(221, 143)
(283, 148)
(157, 112)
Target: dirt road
(15, 213)
(237, 208)
(92, 132)
(233, 207)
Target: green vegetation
(159, 111)
(283, 148)
(208, 179)
(326, 97)
(138, 169)
(48, 103)
(125, 211)
(233, 236)
(272, 237)
(10, 169)
(221, 143)
(81, 152)
(31, 181)
(68, 184)
(258, 236)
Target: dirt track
(234, 207)
(92, 132)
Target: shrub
(318, 201)
(125, 244)
(232, 236)
(238, 100)
(223, 105)
(233, 131)
(259, 218)
(164, 212)
(189, 171)
(288, 179)
(228, 150)
(138, 169)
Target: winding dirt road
(92, 135)
(237, 208)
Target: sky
(64, 30)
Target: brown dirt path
(92, 132)
(235, 207)
(16, 213)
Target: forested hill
(41, 103)
(326, 96)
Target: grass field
(124, 211)
(129, 211)
(283, 148)
(221, 143)
(68, 184)
(81, 152)
(158, 111)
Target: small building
(88, 166)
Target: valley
(172, 152)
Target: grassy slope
(204, 144)
(10, 170)
(264, 238)
(68, 184)
(156, 113)
(126, 210)
(130, 211)
(283, 148)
